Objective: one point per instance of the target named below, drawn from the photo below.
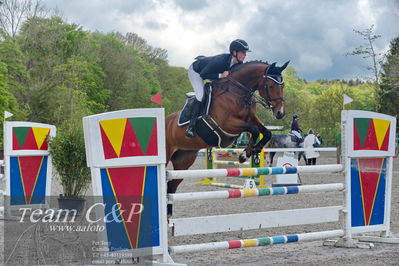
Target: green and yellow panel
(371, 134)
(129, 137)
(30, 138)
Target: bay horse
(233, 109)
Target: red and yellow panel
(30, 138)
(127, 137)
(371, 134)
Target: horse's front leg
(267, 135)
(248, 151)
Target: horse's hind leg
(271, 155)
(181, 160)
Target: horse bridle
(258, 99)
(276, 79)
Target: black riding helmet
(239, 45)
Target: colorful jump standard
(132, 144)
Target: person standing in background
(311, 154)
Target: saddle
(185, 113)
(295, 138)
(206, 127)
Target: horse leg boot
(190, 131)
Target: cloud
(191, 5)
(314, 35)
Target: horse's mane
(237, 67)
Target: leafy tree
(17, 76)
(78, 91)
(388, 93)
(7, 101)
(49, 44)
(130, 78)
(153, 55)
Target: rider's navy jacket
(211, 66)
(295, 126)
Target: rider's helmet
(295, 116)
(239, 45)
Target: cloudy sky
(315, 35)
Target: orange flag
(157, 98)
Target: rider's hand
(224, 74)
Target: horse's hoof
(242, 158)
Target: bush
(69, 159)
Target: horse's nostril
(279, 114)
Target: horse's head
(272, 89)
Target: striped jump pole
(256, 242)
(219, 162)
(212, 161)
(246, 193)
(225, 185)
(233, 172)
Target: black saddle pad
(185, 114)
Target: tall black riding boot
(298, 141)
(190, 131)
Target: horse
(284, 141)
(231, 112)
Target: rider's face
(241, 55)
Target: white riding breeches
(297, 134)
(197, 82)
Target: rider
(295, 129)
(212, 67)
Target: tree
(367, 50)
(131, 79)
(14, 12)
(7, 101)
(388, 93)
(17, 76)
(154, 55)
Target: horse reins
(258, 99)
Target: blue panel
(292, 238)
(39, 193)
(149, 234)
(17, 191)
(278, 190)
(277, 170)
(291, 170)
(116, 233)
(278, 240)
(378, 212)
(292, 190)
(357, 215)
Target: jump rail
(246, 193)
(233, 172)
